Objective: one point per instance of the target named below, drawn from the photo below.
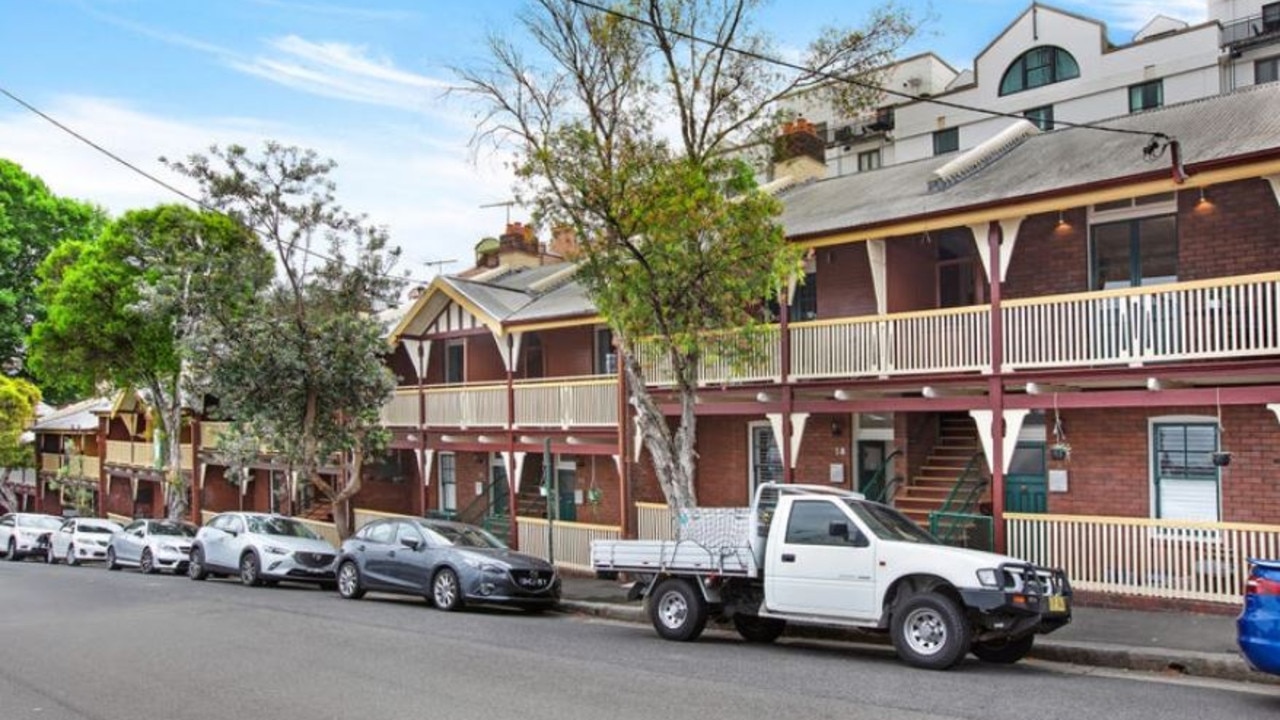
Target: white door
(824, 565)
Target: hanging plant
(1221, 458)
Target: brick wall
(915, 434)
(1109, 468)
(845, 288)
(1049, 259)
(911, 275)
(568, 352)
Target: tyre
(250, 570)
(756, 629)
(195, 568)
(147, 563)
(678, 610)
(930, 632)
(12, 554)
(1003, 652)
(111, 559)
(446, 592)
(71, 556)
(348, 580)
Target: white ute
(813, 555)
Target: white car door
(220, 541)
(824, 566)
(6, 531)
(61, 540)
(131, 542)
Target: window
(533, 365)
(805, 304)
(606, 362)
(1146, 96)
(1041, 116)
(234, 524)
(383, 532)
(869, 160)
(1133, 253)
(1182, 469)
(454, 361)
(1039, 66)
(1271, 17)
(406, 531)
(1265, 71)
(945, 141)
(810, 524)
(448, 482)
(766, 458)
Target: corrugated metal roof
(1223, 126)
(75, 417)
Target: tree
(630, 137)
(123, 309)
(18, 400)
(306, 368)
(33, 221)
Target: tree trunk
(175, 483)
(8, 490)
(673, 457)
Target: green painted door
(870, 459)
(499, 489)
(1026, 483)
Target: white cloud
(424, 190)
(1135, 14)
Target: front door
(499, 488)
(816, 572)
(1026, 483)
(870, 460)
(567, 483)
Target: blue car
(1259, 623)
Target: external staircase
(957, 453)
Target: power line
(849, 80)
(172, 188)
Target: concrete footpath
(1171, 642)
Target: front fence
(570, 541)
(653, 522)
(1136, 556)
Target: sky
(360, 81)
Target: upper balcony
(563, 403)
(1262, 29)
(143, 455)
(1219, 319)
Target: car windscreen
(173, 530)
(42, 523)
(889, 524)
(95, 529)
(464, 536)
(283, 527)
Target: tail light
(1258, 585)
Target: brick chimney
(798, 152)
(564, 242)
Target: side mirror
(838, 529)
(411, 542)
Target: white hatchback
(81, 540)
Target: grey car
(261, 549)
(449, 563)
(151, 546)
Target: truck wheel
(1003, 652)
(930, 632)
(677, 610)
(755, 629)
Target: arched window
(1039, 66)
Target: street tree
(124, 308)
(18, 400)
(306, 369)
(631, 131)
(33, 221)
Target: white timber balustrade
(50, 462)
(402, 409)
(948, 340)
(565, 403)
(570, 541)
(1220, 318)
(653, 522)
(121, 452)
(726, 357)
(1168, 559)
(480, 405)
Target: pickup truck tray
(675, 556)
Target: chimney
(798, 153)
(564, 242)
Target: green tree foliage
(33, 221)
(305, 370)
(623, 131)
(124, 308)
(18, 401)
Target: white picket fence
(570, 541)
(1166, 559)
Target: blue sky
(360, 82)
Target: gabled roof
(76, 417)
(1237, 125)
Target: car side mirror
(411, 542)
(838, 529)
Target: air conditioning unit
(844, 133)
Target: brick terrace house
(68, 452)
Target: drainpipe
(623, 465)
(784, 363)
(512, 482)
(996, 388)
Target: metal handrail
(971, 492)
(877, 489)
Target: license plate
(1057, 603)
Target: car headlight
(171, 548)
(482, 565)
(989, 577)
(275, 550)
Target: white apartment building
(1053, 66)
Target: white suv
(261, 549)
(23, 534)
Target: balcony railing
(402, 409)
(931, 341)
(142, 454)
(1250, 30)
(1221, 318)
(1135, 556)
(81, 466)
(467, 406)
(567, 403)
(727, 357)
(210, 432)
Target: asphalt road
(84, 643)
